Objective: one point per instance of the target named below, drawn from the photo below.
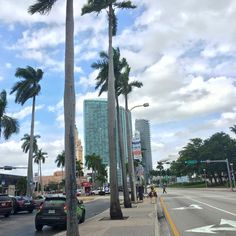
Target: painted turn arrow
(209, 229)
(192, 206)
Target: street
(22, 224)
(200, 212)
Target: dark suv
(5, 205)
(53, 212)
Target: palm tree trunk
(127, 202)
(29, 190)
(69, 116)
(115, 210)
(132, 178)
(41, 177)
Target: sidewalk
(141, 220)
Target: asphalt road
(22, 224)
(200, 212)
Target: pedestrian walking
(153, 195)
(164, 188)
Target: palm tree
(28, 87)
(26, 144)
(127, 88)
(93, 162)
(233, 129)
(102, 81)
(79, 168)
(98, 6)
(60, 161)
(39, 158)
(44, 7)
(8, 125)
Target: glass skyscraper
(144, 128)
(96, 131)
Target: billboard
(136, 146)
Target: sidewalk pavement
(141, 221)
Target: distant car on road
(22, 203)
(5, 205)
(53, 212)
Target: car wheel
(83, 217)
(30, 211)
(39, 227)
(7, 215)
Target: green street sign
(191, 162)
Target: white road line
(219, 209)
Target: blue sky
(182, 51)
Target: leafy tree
(26, 144)
(44, 7)
(39, 158)
(21, 186)
(8, 125)
(28, 87)
(102, 82)
(110, 5)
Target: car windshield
(54, 202)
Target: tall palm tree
(39, 158)
(127, 88)
(110, 5)
(44, 7)
(26, 144)
(102, 81)
(60, 161)
(8, 125)
(28, 87)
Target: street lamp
(232, 170)
(130, 156)
(146, 104)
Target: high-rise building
(78, 147)
(144, 129)
(96, 132)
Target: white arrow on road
(209, 229)
(192, 206)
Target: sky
(182, 51)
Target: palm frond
(94, 6)
(41, 6)
(10, 126)
(124, 5)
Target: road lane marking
(219, 209)
(173, 228)
(190, 207)
(209, 229)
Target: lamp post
(130, 156)
(204, 170)
(232, 171)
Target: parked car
(22, 203)
(5, 205)
(38, 201)
(98, 191)
(53, 212)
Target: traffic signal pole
(228, 170)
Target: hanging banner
(136, 147)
